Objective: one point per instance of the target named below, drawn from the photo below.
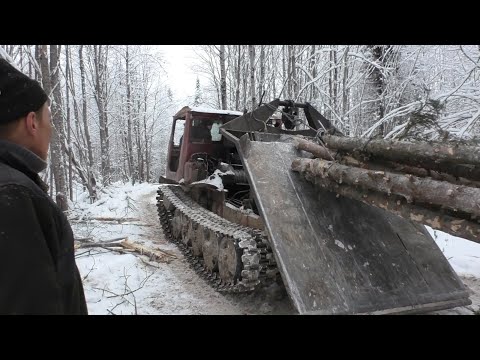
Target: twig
(118, 305)
(103, 218)
(149, 264)
(131, 292)
(91, 269)
(88, 239)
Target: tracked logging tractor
(230, 200)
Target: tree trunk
(83, 176)
(138, 141)
(335, 80)
(289, 72)
(237, 90)
(58, 136)
(412, 188)
(251, 51)
(84, 108)
(344, 87)
(261, 83)
(90, 176)
(245, 85)
(129, 122)
(69, 127)
(100, 97)
(42, 58)
(147, 148)
(223, 78)
(379, 82)
(284, 68)
(293, 77)
(313, 69)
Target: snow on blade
(215, 179)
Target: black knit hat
(18, 93)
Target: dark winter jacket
(38, 273)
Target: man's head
(24, 111)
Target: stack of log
(434, 184)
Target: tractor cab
(195, 137)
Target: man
(38, 273)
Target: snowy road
(127, 284)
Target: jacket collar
(20, 158)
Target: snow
(118, 200)
(123, 284)
(463, 255)
(117, 283)
(215, 179)
(339, 244)
(214, 111)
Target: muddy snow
(123, 283)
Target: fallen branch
(103, 218)
(152, 254)
(122, 244)
(89, 239)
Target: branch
(122, 242)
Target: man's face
(44, 131)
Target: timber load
(435, 184)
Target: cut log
(324, 153)
(412, 188)
(397, 205)
(457, 160)
(315, 149)
(401, 150)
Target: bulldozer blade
(340, 256)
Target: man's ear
(31, 123)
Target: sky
(125, 284)
(181, 77)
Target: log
(315, 149)
(402, 150)
(324, 153)
(458, 160)
(422, 172)
(397, 205)
(412, 188)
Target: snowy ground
(127, 284)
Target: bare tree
(129, 120)
(50, 81)
(100, 94)
(251, 52)
(69, 131)
(223, 78)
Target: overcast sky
(181, 78)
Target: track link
(232, 258)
